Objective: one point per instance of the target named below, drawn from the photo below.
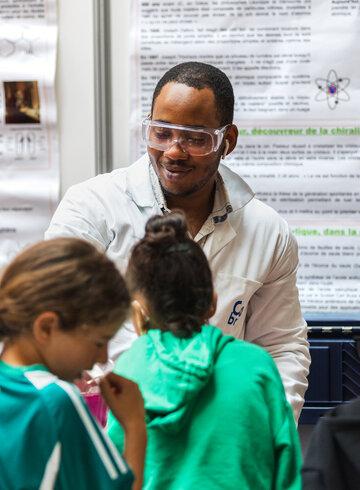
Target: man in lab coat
(252, 254)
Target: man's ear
(139, 317)
(45, 325)
(231, 136)
(213, 306)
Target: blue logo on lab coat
(236, 313)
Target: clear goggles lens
(196, 142)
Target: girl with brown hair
(61, 301)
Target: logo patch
(236, 313)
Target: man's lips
(176, 169)
(175, 173)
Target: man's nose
(176, 151)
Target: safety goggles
(195, 141)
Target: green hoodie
(217, 417)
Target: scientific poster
(29, 155)
(294, 68)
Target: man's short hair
(201, 75)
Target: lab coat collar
(238, 190)
(224, 234)
(139, 186)
(138, 183)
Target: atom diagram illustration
(332, 89)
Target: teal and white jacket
(49, 440)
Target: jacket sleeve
(80, 214)
(85, 452)
(116, 432)
(275, 322)
(287, 451)
(288, 455)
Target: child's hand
(126, 403)
(124, 399)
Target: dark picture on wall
(22, 103)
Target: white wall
(120, 81)
(75, 91)
(75, 88)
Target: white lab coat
(252, 254)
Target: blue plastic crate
(334, 374)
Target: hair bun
(172, 226)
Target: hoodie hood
(172, 371)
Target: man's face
(181, 174)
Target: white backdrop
(75, 88)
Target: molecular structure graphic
(8, 47)
(332, 89)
